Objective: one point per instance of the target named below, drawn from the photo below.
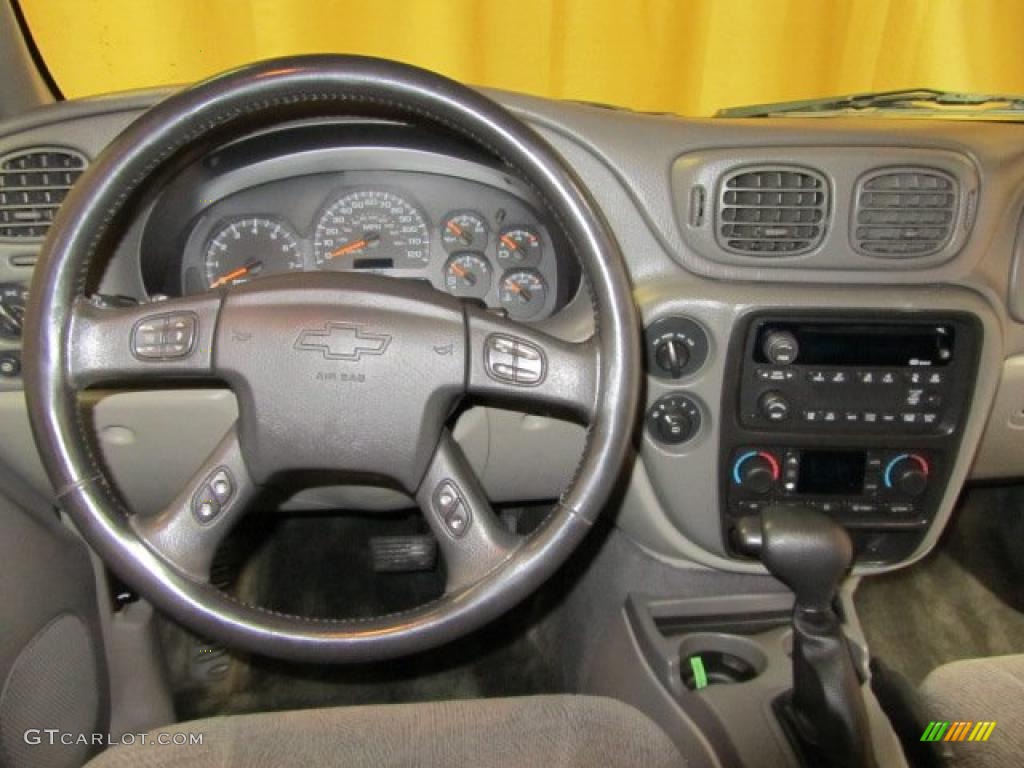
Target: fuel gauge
(467, 274)
(523, 293)
(518, 246)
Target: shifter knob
(807, 551)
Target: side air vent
(904, 212)
(33, 184)
(772, 211)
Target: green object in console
(700, 676)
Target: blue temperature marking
(739, 463)
(893, 463)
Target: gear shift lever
(811, 554)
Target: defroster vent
(33, 184)
(772, 211)
(904, 212)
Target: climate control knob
(907, 474)
(755, 471)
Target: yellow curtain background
(691, 56)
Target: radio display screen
(831, 472)
(867, 345)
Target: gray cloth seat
(989, 689)
(549, 731)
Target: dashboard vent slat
(33, 184)
(904, 212)
(772, 211)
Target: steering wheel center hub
(342, 373)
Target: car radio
(858, 416)
(864, 377)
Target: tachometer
(372, 226)
(245, 248)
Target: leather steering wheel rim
(212, 113)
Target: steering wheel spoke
(472, 539)
(514, 365)
(172, 338)
(188, 531)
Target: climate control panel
(870, 489)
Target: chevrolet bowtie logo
(343, 341)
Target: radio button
(816, 377)
(838, 377)
(900, 509)
(828, 416)
(888, 378)
(852, 416)
(870, 417)
(862, 508)
(929, 418)
(773, 406)
(780, 347)
(888, 418)
(908, 417)
(812, 416)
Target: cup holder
(708, 659)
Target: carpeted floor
(320, 566)
(965, 600)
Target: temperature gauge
(468, 275)
(523, 293)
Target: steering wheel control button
(514, 361)
(674, 419)
(206, 508)
(222, 486)
(164, 337)
(452, 509)
(214, 495)
(676, 347)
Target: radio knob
(908, 474)
(756, 471)
(773, 405)
(780, 347)
(671, 356)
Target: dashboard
(748, 242)
(401, 208)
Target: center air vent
(774, 211)
(33, 184)
(904, 212)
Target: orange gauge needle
(356, 245)
(236, 273)
(458, 231)
(460, 271)
(510, 242)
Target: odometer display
(374, 224)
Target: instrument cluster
(473, 240)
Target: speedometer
(372, 229)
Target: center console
(856, 415)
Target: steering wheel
(312, 357)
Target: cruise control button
(164, 336)
(513, 360)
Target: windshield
(691, 58)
